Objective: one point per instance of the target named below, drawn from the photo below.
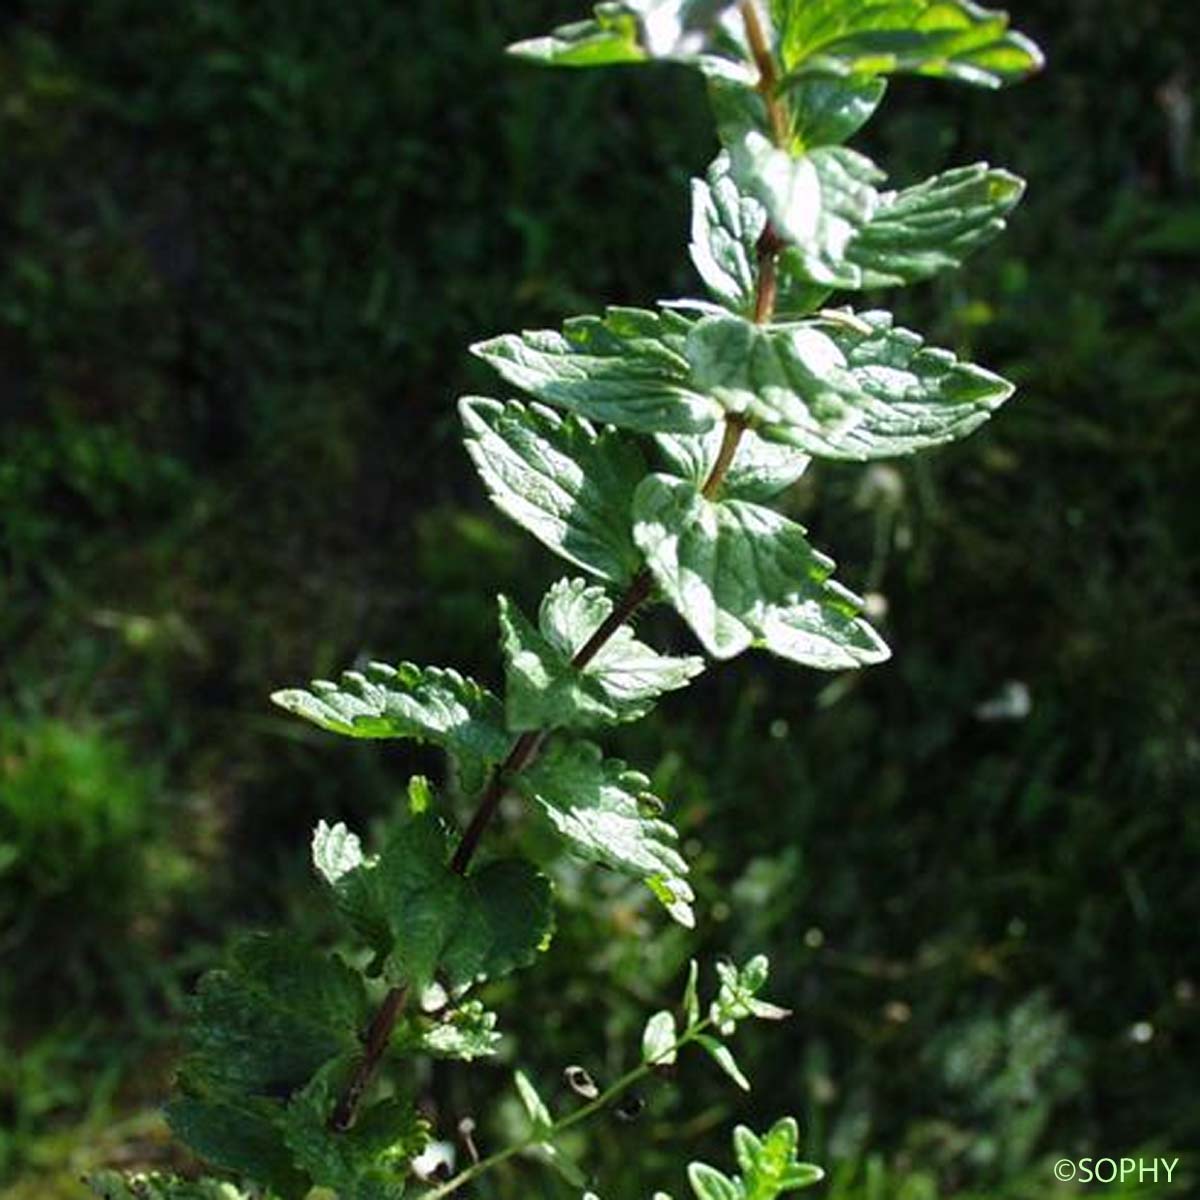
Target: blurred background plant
(245, 247)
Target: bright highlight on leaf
(625, 369)
(844, 386)
(426, 704)
(702, 33)
(846, 234)
(561, 479)
(620, 683)
(741, 575)
(951, 39)
(606, 814)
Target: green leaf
(368, 1160)
(567, 484)
(335, 851)
(426, 704)
(464, 1033)
(768, 1164)
(759, 471)
(742, 575)
(606, 814)
(486, 924)
(535, 1107)
(691, 999)
(727, 222)
(829, 109)
(337, 856)
(658, 1040)
(818, 201)
(737, 996)
(546, 691)
(915, 233)
(109, 1185)
(241, 1138)
(625, 368)
(846, 234)
(709, 1184)
(704, 33)
(278, 1012)
(844, 386)
(723, 1057)
(951, 39)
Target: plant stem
(525, 749)
(605, 1098)
(379, 1034)
(768, 79)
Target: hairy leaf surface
(844, 386)
(625, 368)
(426, 704)
(742, 575)
(368, 1161)
(727, 222)
(265, 1023)
(570, 485)
(546, 691)
(606, 813)
(916, 233)
(845, 233)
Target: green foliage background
(245, 247)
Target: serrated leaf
(952, 39)
(710, 1184)
(620, 683)
(562, 480)
(605, 813)
(742, 575)
(727, 222)
(845, 233)
(658, 1040)
(278, 1012)
(704, 33)
(818, 200)
(535, 1107)
(844, 386)
(760, 470)
(335, 851)
(599, 806)
(625, 369)
(241, 1138)
(426, 704)
(723, 1057)
(486, 924)
(368, 1160)
(920, 231)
